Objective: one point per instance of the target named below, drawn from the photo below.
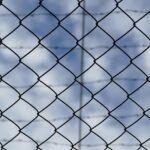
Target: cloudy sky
(100, 96)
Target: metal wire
(88, 48)
(75, 84)
(68, 145)
(80, 13)
(84, 117)
(97, 106)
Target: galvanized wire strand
(79, 13)
(69, 145)
(75, 84)
(66, 47)
(84, 117)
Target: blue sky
(45, 56)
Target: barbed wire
(87, 117)
(75, 84)
(69, 145)
(74, 14)
(67, 47)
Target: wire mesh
(74, 75)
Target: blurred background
(56, 56)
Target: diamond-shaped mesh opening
(56, 142)
(131, 85)
(36, 128)
(121, 24)
(74, 75)
(127, 140)
(115, 56)
(58, 110)
(142, 24)
(70, 60)
(65, 40)
(128, 117)
(142, 96)
(111, 96)
(99, 12)
(18, 112)
(8, 96)
(42, 24)
(128, 43)
(97, 39)
(73, 136)
(109, 130)
(144, 66)
(65, 7)
(22, 143)
(8, 23)
(8, 60)
(54, 77)
(13, 129)
(21, 37)
(38, 96)
(43, 60)
(94, 113)
(18, 9)
(17, 78)
(141, 125)
(73, 22)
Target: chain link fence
(74, 75)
